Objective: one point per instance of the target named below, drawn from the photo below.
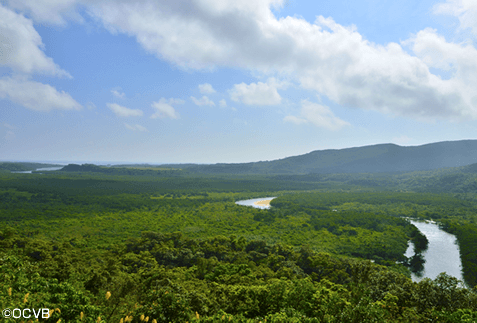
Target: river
(46, 169)
(442, 254)
(253, 201)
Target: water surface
(252, 201)
(442, 255)
(46, 169)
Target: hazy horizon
(103, 163)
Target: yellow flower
(121, 320)
(26, 298)
(10, 291)
(81, 316)
(146, 319)
(57, 310)
(51, 312)
(99, 319)
(108, 295)
(142, 317)
(58, 321)
(154, 321)
(197, 315)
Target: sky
(219, 81)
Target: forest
(113, 244)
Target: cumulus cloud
(464, 10)
(118, 94)
(324, 56)
(36, 96)
(48, 11)
(318, 115)
(203, 101)
(223, 103)
(460, 60)
(206, 88)
(164, 108)
(21, 46)
(135, 127)
(257, 93)
(121, 111)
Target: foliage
(178, 249)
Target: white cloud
(318, 115)
(135, 127)
(257, 93)
(121, 111)
(324, 56)
(164, 109)
(223, 103)
(206, 88)
(203, 101)
(21, 46)
(295, 120)
(48, 11)
(461, 60)
(464, 10)
(91, 106)
(118, 94)
(36, 96)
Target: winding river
(442, 254)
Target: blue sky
(211, 81)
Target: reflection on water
(442, 255)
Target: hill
(367, 159)
(91, 168)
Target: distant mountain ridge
(379, 158)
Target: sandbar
(263, 202)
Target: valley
(176, 245)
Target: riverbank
(265, 203)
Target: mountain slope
(366, 159)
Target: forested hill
(366, 159)
(90, 168)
